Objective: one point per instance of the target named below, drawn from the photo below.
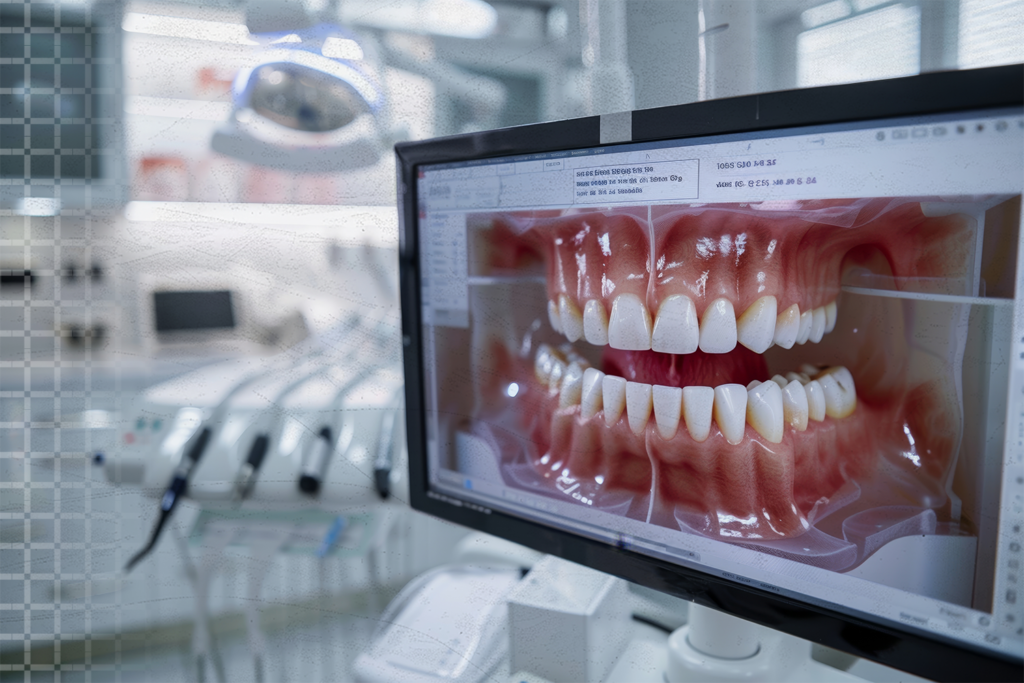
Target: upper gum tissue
(603, 269)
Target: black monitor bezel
(918, 652)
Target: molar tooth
(630, 325)
(590, 395)
(638, 405)
(571, 318)
(553, 317)
(731, 411)
(676, 329)
(572, 386)
(840, 394)
(542, 364)
(756, 327)
(831, 313)
(668, 406)
(595, 323)
(787, 327)
(817, 324)
(718, 327)
(781, 381)
(810, 370)
(815, 401)
(794, 406)
(798, 377)
(558, 370)
(806, 318)
(764, 411)
(613, 397)
(753, 383)
(697, 407)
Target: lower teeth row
(767, 407)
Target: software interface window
(782, 358)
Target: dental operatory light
(454, 18)
(310, 104)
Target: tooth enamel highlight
(553, 317)
(781, 381)
(630, 326)
(787, 327)
(638, 405)
(718, 327)
(831, 312)
(676, 329)
(542, 364)
(571, 318)
(668, 405)
(817, 324)
(806, 318)
(595, 323)
(731, 411)
(590, 394)
(613, 397)
(815, 401)
(764, 411)
(698, 403)
(794, 406)
(756, 327)
(572, 386)
(840, 394)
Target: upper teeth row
(676, 329)
(766, 406)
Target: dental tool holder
(716, 647)
(567, 622)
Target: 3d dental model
(681, 304)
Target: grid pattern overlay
(59, 526)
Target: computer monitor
(763, 353)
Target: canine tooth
(806, 318)
(798, 377)
(572, 319)
(840, 394)
(781, 381)
(698, 403)
(595, 323)
(817, 324)
(787, 327)
(668, 405)
(553, 316)
(630, 326)
(753, 383)
(764, 411)
(831, 312)
(572, 386)
(676, 329)
(613, 397)
(590, 394)
(718, 327)
(638, 405)
(794, 406)
(731, 411)
(815, 401)
(756, 327)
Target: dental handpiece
(383, 463)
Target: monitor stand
(714, 646)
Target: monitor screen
(783, 358)
(193, 310)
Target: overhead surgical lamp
(311, 104)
